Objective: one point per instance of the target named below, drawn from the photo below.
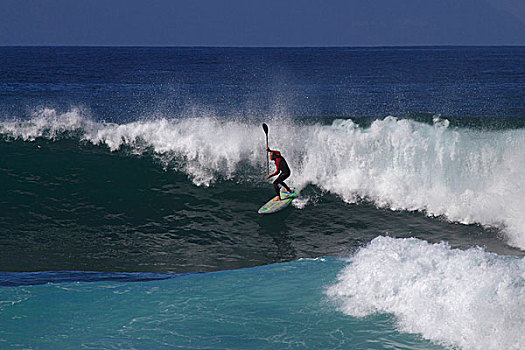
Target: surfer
(282, 167)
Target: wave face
(465, 175)
(471, 299)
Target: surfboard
(274, 206)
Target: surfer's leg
(281, 179)
(276, 186)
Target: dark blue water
(124, 171)
(123, 84)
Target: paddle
(265, 128)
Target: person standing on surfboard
(283, 168)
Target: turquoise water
(278, 306)
(392, 294)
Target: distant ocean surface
(130, 180)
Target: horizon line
(268, 46)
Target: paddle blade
(265, 128)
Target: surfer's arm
(276, 172)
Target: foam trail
(465, 175)
(471, 299)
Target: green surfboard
(274, 206)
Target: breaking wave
(465, 175)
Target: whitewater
(471, 298)
(463, 175)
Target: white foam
(466, 176)
(471, 299)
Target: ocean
(130, 180)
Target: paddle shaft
(265, 128)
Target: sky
(262, 22)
